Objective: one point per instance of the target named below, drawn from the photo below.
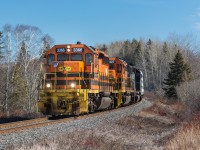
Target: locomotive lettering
(62, 68)
(60, 50)
(76, 49)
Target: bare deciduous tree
(24, 46)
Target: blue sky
(103, 21)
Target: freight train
(81, 79)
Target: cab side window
(51, 58)
(88, 58)
(119, 68)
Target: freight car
(81, 79)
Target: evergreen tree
(147, 53)
(45, 45)
(137, 55)
(179, 73)
(130, 55)
(23, 53)
(104, 48)
(165, 48)
(125, 49)
(1, 44)
(19, 89)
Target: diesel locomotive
(81, 79)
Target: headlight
(48, 85)
(68, 48)
(72, 85)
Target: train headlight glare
(48, 85)
(72, 85)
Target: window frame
(105, 60)
(89, 64)
(112, 66)
(119, 68)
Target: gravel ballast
(31, 135)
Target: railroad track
(40, 122)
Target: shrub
(188, 93)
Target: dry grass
(187, 137)
(18, 115)
(172, 114)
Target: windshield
(76, 57)
(62, 57)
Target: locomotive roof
(91, 48)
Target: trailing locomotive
(81, 79)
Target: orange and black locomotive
(81, 79)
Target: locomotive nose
(67, 66)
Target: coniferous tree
(19, 89)
(104, 48)
(163, 63)
(46, 45)
(1, 44)
(179, 73)
(137, 55)
(130, 54)
(125, 49)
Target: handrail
(44, 85)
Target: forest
(22, 49)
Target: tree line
(168, 66)
(22, 48)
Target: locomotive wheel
(91, 107)
(75, 113)
(115, 102)
(112, 106)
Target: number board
(111, 62)
(60, 50)
(76, 49)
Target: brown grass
(175, 111)
(18, 115)
(187, 137)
